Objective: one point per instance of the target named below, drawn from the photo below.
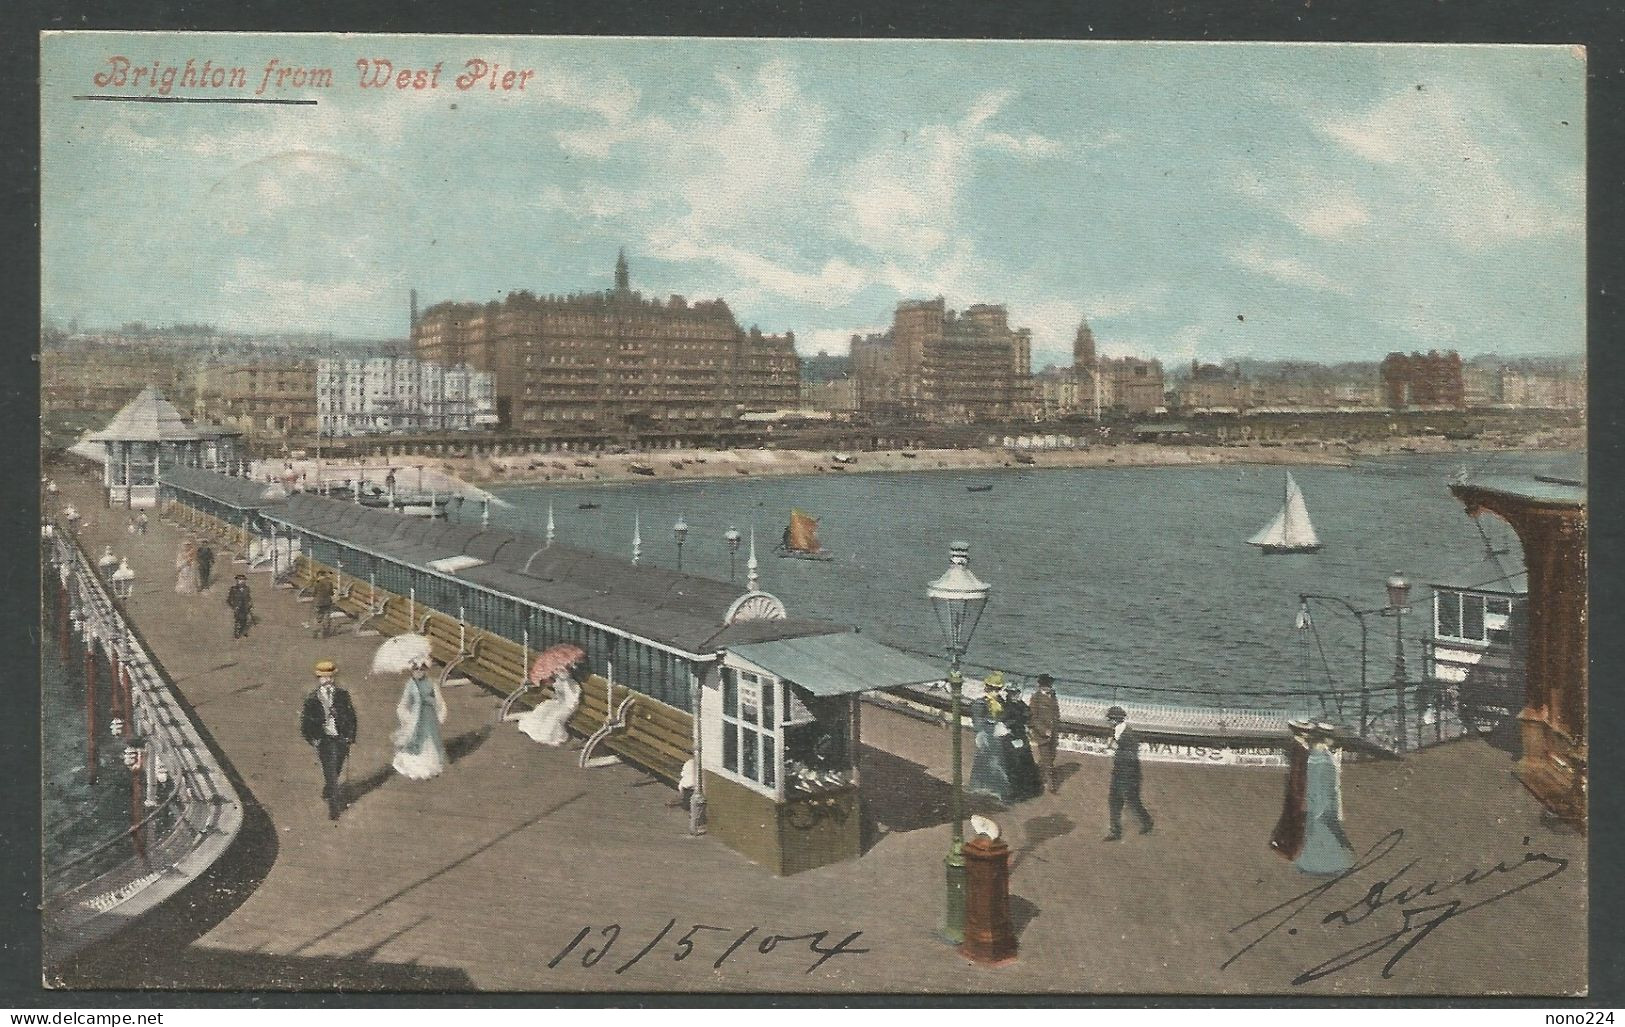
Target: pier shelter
(675, 664)
(1549, 516)
(235, 503)
(149, 436)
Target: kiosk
(780, 730)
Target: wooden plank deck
(478, 878)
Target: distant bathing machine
(768, 703)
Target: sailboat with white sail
(1291, 531)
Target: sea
(78, 817)
(1122, 582)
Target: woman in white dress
(419, 753)
(546, 723)
(186, 579)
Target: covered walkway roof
(678, 611)
(237, 493)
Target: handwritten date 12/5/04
(593, 945)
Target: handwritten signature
(1406, 911)
(765, 943)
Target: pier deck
(479, 878)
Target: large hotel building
(615, 358)
(939, 365)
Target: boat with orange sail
(800, 540)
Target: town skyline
(1191, 201)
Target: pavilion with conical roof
(148, 435)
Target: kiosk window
(749, 730)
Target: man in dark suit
(1043, 729)
(241, 602)
(205, 563)
(328, 722)
(1125, 780)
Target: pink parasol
(554, 659)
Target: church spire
(623, 276)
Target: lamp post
(679, 532)
(732, 538)
(958, 598)
(1398, 595)
(1359, 615)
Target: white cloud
(902, 199)
(1441, 152)
(1287, 270)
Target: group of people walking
(194, 567)
(328, 719)
(329, 724)
(1016, 740)
(1015, 745)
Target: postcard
(918, 517)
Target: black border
(1597, 24)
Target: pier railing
(186, 813)
(1420, 714)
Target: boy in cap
(1125, 779)
(328, 722)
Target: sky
(1192, 201)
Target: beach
(693, 464)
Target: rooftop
(149, 417)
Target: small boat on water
(800, 540)
(586, 506)
(1291, 531)
(978, 488)
(643, 469)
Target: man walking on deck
(328, 723)
(205, 564)
(242, 606)
(323, 591)
(1125, 779)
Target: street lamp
(958, 598)
(1398, 595)
(124, 580)
(732, 537)
(679, 531)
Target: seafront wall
(178, 773)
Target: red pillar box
(989, 938)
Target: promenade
(482, 878)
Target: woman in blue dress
(987, 770)
(1326, 849)
(419, 753)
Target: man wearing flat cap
(328, 723)
(1125, 780)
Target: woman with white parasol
(419, 752)
(547, 722)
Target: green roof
(838, 664)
